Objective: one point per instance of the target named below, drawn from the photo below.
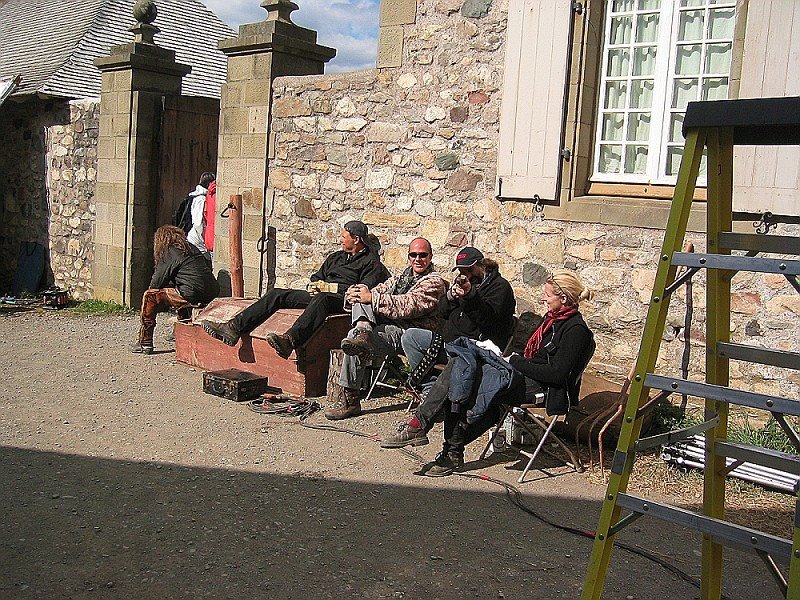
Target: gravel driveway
(120, 478)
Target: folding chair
(531, 416)
(382, 373)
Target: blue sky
(350, 26)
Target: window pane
(690, 26)
(618, 62)
(610, 158)
(649, 4)
(687, 60)
(718, 58)
(647, 28)
(715, 88)
(720, 23)
(642, 93)
(616, 94)
(644, 60)
(621, 30)
(685, 3)
(621, 5)
(676, 127)
(636, 159)
(638, 127)
(674, 155)
(612, 127)
(683, 92)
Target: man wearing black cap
(479, 305)
(324, 295)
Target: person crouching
(182, 278)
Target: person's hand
(359, 294)
(461, 287)
(315, 287)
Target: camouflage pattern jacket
(415, 308)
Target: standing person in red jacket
(209, 216)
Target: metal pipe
(235, 263)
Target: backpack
(182, 217)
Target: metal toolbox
(234, 384)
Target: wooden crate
(304, 373)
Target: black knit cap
(357, 228)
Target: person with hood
(480, 306)
(355, 263)
(196, 235)
(182, 277)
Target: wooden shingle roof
(52, 43)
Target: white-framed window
(658, 55)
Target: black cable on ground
(515, 497)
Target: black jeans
(317, 308)
(436, 400)
(458, 433)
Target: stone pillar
(135, 77)
(262, 51)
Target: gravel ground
(122, 479)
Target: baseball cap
(357, 228)
(467, 257)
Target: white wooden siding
(532, 115)
(767, 178)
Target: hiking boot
(406, 435)
(221, 331)
(348, 406)
(282, 344)
(446, 463)
(142, 348)
(358, 343)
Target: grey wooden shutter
(534, 88)
(767, 178)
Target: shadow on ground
(75, 526)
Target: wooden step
(304, 373)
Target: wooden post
(335, 391)
(235, 246)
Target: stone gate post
(261, 52)
(135, 77)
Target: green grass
(101, 307)
(741, 427)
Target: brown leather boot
(349, 406)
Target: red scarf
(535, 341)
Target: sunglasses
(417, 255)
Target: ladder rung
(777, 244)
(723, 394)
(764, 356)
(722, 531)
(737, 263)
(774, 459)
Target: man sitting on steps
(355, 263)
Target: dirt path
(120, 478)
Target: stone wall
(412, 151)
(24, 209)
(72, 177)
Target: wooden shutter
(767, 178)
(534, 88)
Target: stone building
(48, 159)
(546, 134)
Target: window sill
(624, 211)
(640, 190)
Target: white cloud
(350, 26)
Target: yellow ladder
(717, 126)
